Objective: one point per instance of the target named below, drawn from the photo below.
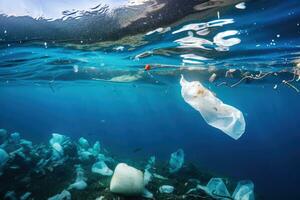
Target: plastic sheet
(216, 187)
(244, 191)
(83, 143)
(217, 114)
(176, 161)
(58, 138)
(15, 138)
(80, 183)
(166, 189)
(101, 168)
(64, 195)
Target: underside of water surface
(199, 98)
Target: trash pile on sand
(65, 170)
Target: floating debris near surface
(227, 118)
(241, 6)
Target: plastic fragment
(25, 196)
(147, 194)
(176, 161)
(217, 189)
(241, 6)
(10, 195)
(101, 168)
(244, 191)
(80, 183)
(15, 138)
(83, 143)
(64, 195)
(166, 189)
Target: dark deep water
(72, 89)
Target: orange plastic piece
(147, 67)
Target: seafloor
(24, 172)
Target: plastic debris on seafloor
(150, 163)
(147, 194)
(127, 181)
(147, 176)
(217, 114)
(166, 189)
(83, 143)
(64, 195)
(85, 152)
(176, 161)
(101, 168)
(96, 148)
(58, 142)
(149, 170)
(159, 176)
(25, 196)
(3, 135)
(217, 189)
(79, 183)
(11, 195)
(244, 191)
(3, 159)
(60, 139)
(15, 137)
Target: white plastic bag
(217, 114)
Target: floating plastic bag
(217, 114)
(176, 161)
(244, 191)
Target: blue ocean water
(102, 92)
